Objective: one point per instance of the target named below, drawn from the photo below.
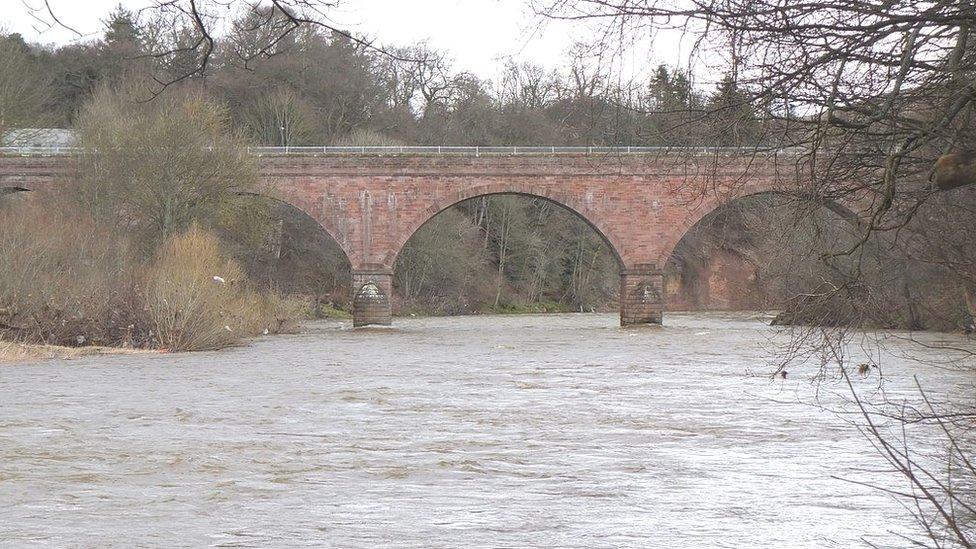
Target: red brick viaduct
(641, 204)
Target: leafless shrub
(198, 299)
(368, 138)
(63, 279)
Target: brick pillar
(371, 291)
(641, 295)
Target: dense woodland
(313, 87)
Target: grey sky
(479, 34)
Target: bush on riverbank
(64, 281)
(197, 298)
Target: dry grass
(25, 352)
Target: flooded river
(558, 430)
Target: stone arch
(709, 207)
(602, 227)
(318, 263)
(329, 229)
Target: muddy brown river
(483, 431)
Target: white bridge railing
(448, 150)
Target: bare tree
(23, 89)
(281, 118)
(153, 169)
(939, 489)
(876, 91)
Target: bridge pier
(371, 304)
(641, 295)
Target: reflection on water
(489, 431)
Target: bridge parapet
(456, 150)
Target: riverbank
(189, 293)
(338, 318)
(25, 352)
(14, 352)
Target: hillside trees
(23, 85)
(507, 253)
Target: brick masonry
(641, 295)
(371, 304)
(371, 204)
